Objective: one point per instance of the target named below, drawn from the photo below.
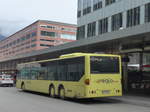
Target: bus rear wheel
(62, 93)
(52, 92)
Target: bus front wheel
(52, 92)
(23, 87)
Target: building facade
(39, 35)
(97, 17)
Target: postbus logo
(107, 81)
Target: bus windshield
(104, 65)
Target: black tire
(23, 86)
(52, 91)
(61, 93)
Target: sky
(17, 14)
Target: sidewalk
(135, 100)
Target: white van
(6, 80)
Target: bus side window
(42, 74)
(62, 70)
(52, 70)
(34, 73)
(72, 72)
(75, 69)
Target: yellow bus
(76, 75)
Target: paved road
(13, 100)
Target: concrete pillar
(109, 24)
(142, 15)
(125, 73)
(86, 27)
(124, 19)
(141, 61)
(97, 28)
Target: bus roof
(72, 55)
(84, 54)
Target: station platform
(135, 99)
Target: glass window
(68, 36)
(86, 6)
(79, 14)
(33, 40)
(28, 36)
(109, 2)
(42, 74)
(46, 45)
(133, 17)
(116, 21)
(62, 70)
(103, 26)
(34, 70)
(33, 34)
(18, 40)
(97, 4)
(147, 12)
(91, 29)
(34, 73)
(45, 33)
(33, 45)
(47, 40)
(25, 72)
(52, 70)
(23, 38)
(81, 32)
(104, 65)
(79, 8)
(75, 68)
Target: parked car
(6, 80)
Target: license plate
(106, 92)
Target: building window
(14, 42)
(45, 33)
(28, 36)
(79, 14)
(79, 8)
(103, 26)
(18, 41)
(86, 6)
(33, 45)
(68, 29)
(51, 27)
(33, 34)
(33, 40)
(68, 36)
(91, 30)
(47, 40)
(27, 47)
(133, 17)
(109, 2)
(46, 26)
(45, 45)
(116, 21)
(80, 32)
(23, 38)
(147, 12)
(97, 4)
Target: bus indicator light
(87, 81)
